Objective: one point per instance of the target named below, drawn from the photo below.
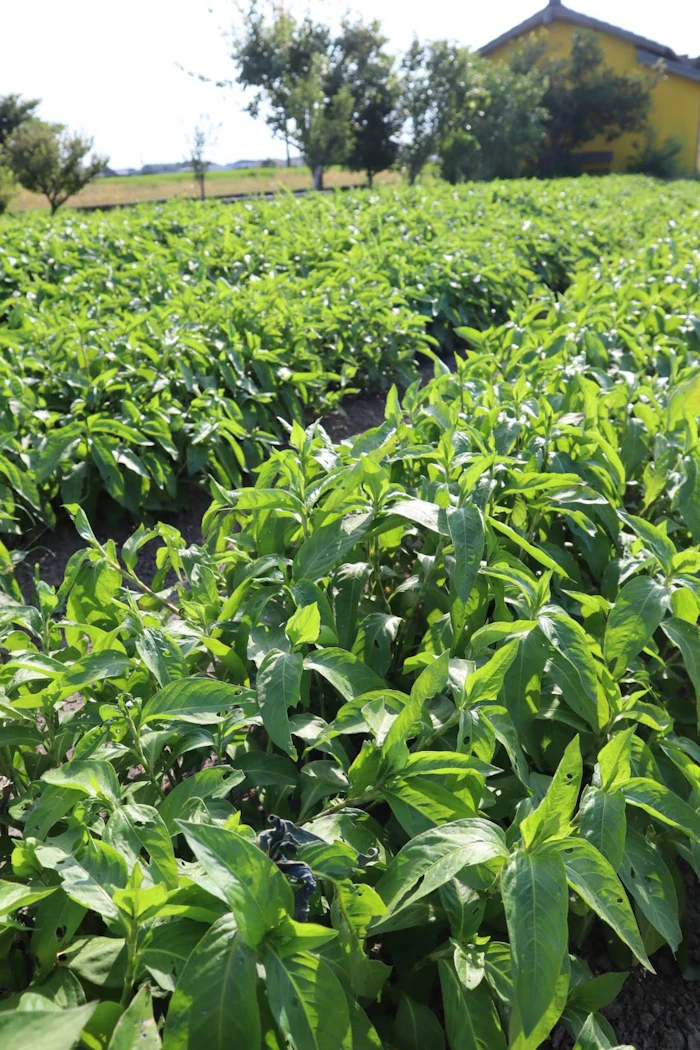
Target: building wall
(675, 100)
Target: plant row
(140, 352)
(372, 765)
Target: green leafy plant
(136, 360)
(418, 717)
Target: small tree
(322, 123)
(438, 96)
(201, 141)
(502, 133)
(273, 56)
(416, 110)
(47, 159)
(14, 112)
(367, 70)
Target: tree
(367, 70)
(321, 123)
(15, 111)
(504, 131)
(584, 98)
(330, 96)
(47, 159)
(202, 139)
(273, 56)
(438, 97)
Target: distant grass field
(133, 188)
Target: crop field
(410, 740)
(132, 189)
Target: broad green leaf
(49, 1029)
(593, 1037)
(603, 822)
(662, 804)
(95, 668)
(687, 637)
(99, 960)
(191, 700)
(594, 994)
(344, 671)
(471, 1020)
(466, 527)
(637, 612)
(251, 884)
(306, 1000)
(214, 1004)
(214, 782)
(14, 895)
(419, 803)
(432, 680)
(648, 880)
(167, 947)
(416, 1027)
(595, 881)
(535, 552)
(429, 515)
(136, 1027)
(133, 829)
(552, 818)
(654, 538)
(684, 402)
(536, 904)
(486, 682)
(614, 760)
(267, 770)
(326, 549)
(304, 625)
(278, 687)
(572, 666)
(89, 776)
(431, 859)
(90, 876)
(518, 1040)
(464, 908)
(161, 656)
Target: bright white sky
(111, 70)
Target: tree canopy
(46, 158)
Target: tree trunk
(370, 178)
(318, 177)
(286, 146)
(202, 194)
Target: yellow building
(676, 97)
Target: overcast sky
(111, 69)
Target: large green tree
(46, 158)
(480, 119)
(584, 97)
(331, 96)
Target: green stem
(140, 753)
(363, 800)
(130, 975)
